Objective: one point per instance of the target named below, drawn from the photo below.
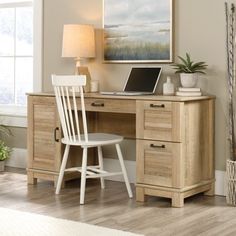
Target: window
(16, 51)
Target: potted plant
(188, 70)
(5, 151)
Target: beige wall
(17, 139)
(199, 30)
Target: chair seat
(95, 139)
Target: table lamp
(79, 43)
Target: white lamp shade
(78, 41)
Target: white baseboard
(19, 159)
(220, 184)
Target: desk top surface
(146, 97)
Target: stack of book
(189, 92)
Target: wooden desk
(174, 139)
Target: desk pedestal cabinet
(175, 149)
(174, 140)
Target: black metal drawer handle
(157, 146)
(97, 104)
(157, 106)
(55, 134)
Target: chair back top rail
(66, 90)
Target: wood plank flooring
(112, 208)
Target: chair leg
(83, 175)
(100, 161)
(120, 156)
(62, 169)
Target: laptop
(141, 81)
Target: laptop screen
(143, 79)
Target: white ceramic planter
(188, 80)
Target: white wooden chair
(69, 91)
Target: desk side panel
(199, 142)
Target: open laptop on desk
(141, 81)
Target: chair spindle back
(68, 90)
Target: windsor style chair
(69, 94)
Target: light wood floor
(111, 208)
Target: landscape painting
(137, 31)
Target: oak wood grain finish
(43, 124)
(108, 105)
(183, 162)
(145, 97)
(158, 163)
(158, 120)
(184, 126)
(201, 216)
(199, 143)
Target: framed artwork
(138, 31)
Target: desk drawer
(158, 120)
(159, 163)
(114, 105)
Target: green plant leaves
(5, 151)
(188, 66)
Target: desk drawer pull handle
(55, 134)
(97, 104)
(157, 106)
(157, 146)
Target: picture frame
(137, 31)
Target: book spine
(188, 94)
